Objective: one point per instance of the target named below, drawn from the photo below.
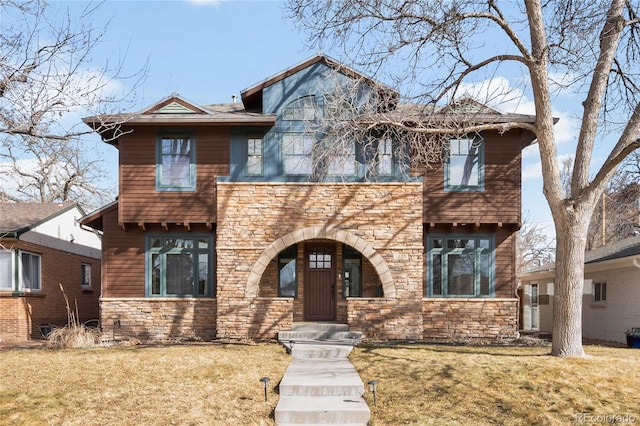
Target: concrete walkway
(321, 386)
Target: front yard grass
(219, 384)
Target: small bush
(74, 334)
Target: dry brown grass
(205, 384)
(216, 384)
(463, 385)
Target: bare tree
(440, 47)
(47, 79)
(534, 247)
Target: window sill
(598, 304)
(11, 293)
(87, 290)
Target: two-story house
(222, 230)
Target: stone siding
(158, 319)
(469, 318)
(257, 220)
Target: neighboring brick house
(42, 245)
(610, 299)
(219, 231)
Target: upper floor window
(460, 266)
(254, 157)
(297, 153)
(176, 168)
(303, 108)
(464, 165)
(30, 272)
(85, 270)
(342, 160)
(385, 157)
(179, 266)
(338, 109)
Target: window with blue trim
(464, 165)
(460, 266)
(175, 166)
(301, 109)
(297, 153)
(254, 156)
(179, 266)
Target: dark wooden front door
(319, 283)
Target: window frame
(343, 163)
(21, 271)
(599, 292)
(290, 253)
(448, 187)
(253, 155)
(383, 143)
(445, 252)
(349, 254)
(11, 270)
(84, 276)
(160, 185)
(302, 136)
(299, 108)
(195, 252)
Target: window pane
(203, 274)
(30, 271)
(203, 243)
(436, 274)
(352, 278)
(460, 274)
(6, 270)
(254, 157)
(463, 163)
(343, 162)
(176, 162)
(385, 157)
(86, 275)
(485, 270)
(287, 277)
(155, 274)
(297, 153)
(179, 274)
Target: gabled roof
(94, 219)
(252, 96)
(176, 110)
(17, 218)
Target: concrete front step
(319, 350)
(315, 326)
(328, 410)
(321, 377)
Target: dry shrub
(74, 334)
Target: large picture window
(288, 272)
(180, 266)
(30, 276)
(460, 266)
(464, 165)
(176, 163)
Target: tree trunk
(571, 238)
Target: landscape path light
(265, 380)
(373, 386)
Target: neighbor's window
(297, 152)
(85, 269)
(6, 270)
(303, 108)
(599, 292)
(179, 266)
(287, 272)
(254, 157)
(351, 272)
(176, 163)
(385, 157)
(464, 165)
(30, 271)
(460, 266)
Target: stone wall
(257, 220)
(158, 318)
(469, 318)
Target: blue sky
(209, 50)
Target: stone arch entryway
(316, 232)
